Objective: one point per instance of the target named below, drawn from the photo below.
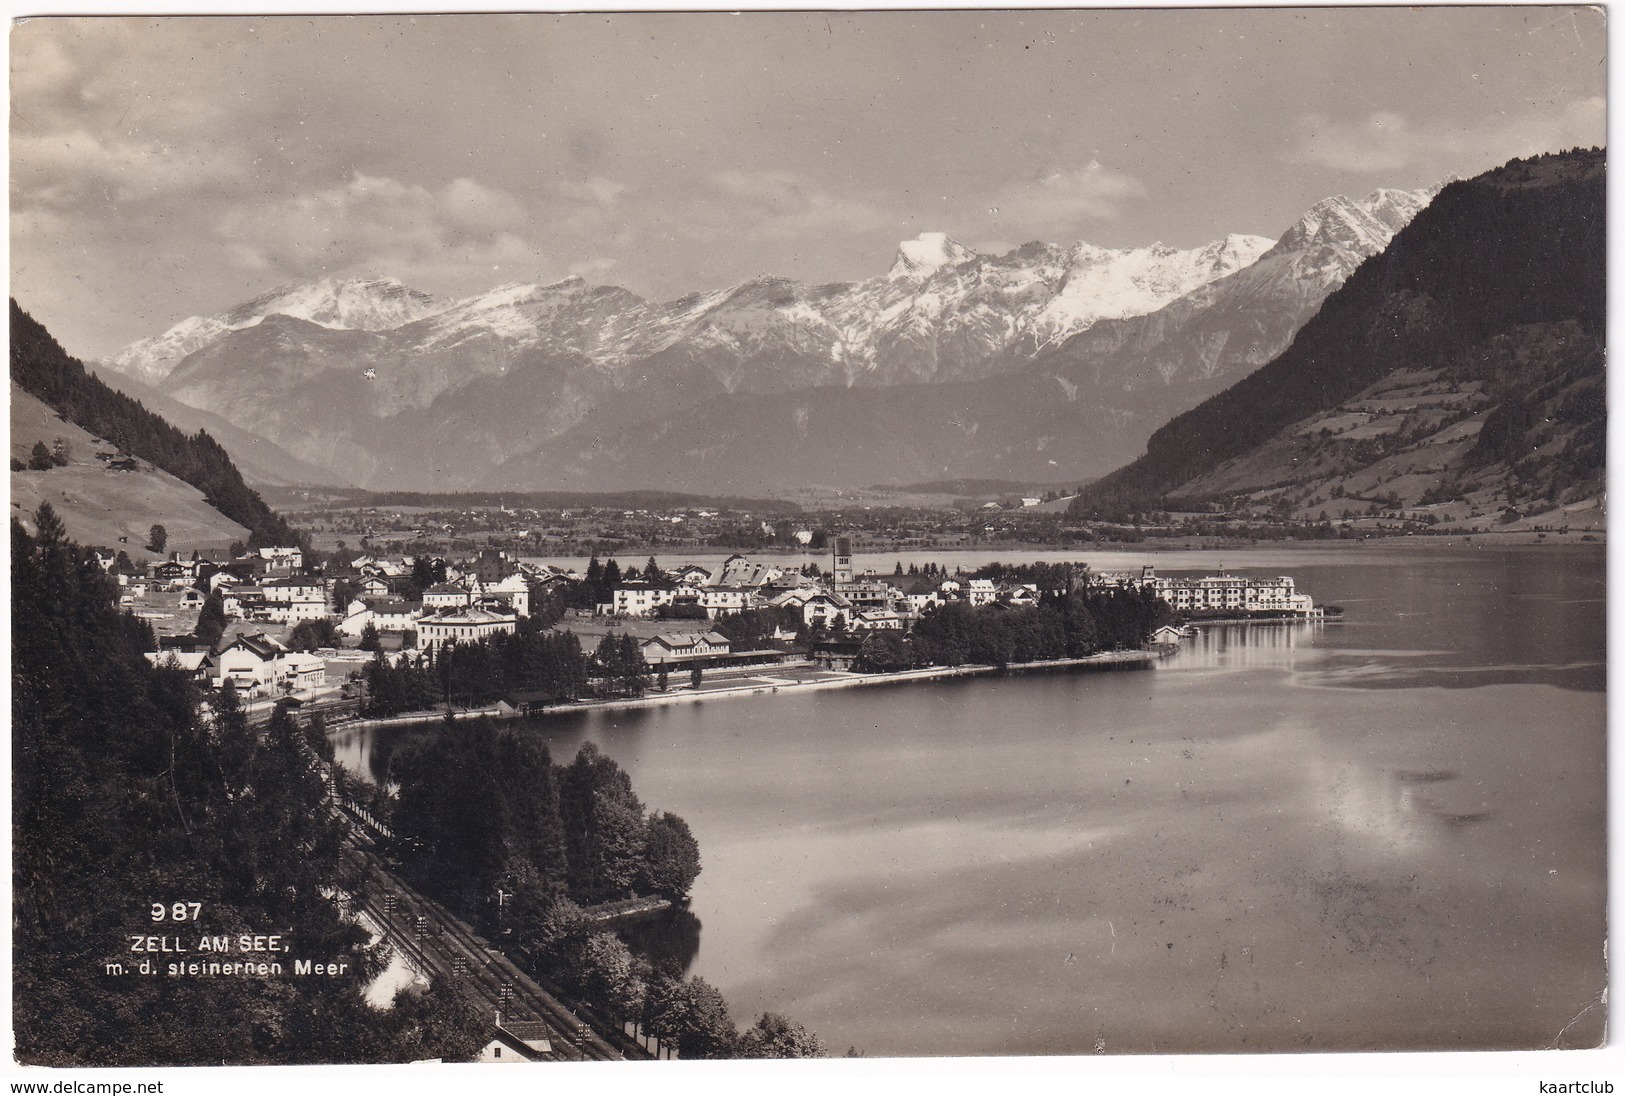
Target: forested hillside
(128, 797)
(42, 368)
(1468, 355)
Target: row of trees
(1072, 625)
(530, 660)
(521, 846)
(128, 792)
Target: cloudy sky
(162, 168)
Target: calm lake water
(1386, 832)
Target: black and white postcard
(553, 538)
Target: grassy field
(101, 506)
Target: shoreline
(1105, 661)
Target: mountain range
(1458, 377)
(1049, 362)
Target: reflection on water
(669, 940)
(1384, 832)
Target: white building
(282, 560)
(444, 595)
(1233, 593)
(980, 591)
(514, 590)
(462, 625)
(641, 599)
(678, 648)
(876, 620)
(727, 600)
(258, 665)
(385, 615)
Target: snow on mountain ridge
(1106, 284)
(926, 254)
(943, 312)
(355, 304)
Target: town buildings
(1223, 592)
(462, 625)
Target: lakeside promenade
(766, 683)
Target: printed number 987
(180, 911)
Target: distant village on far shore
(272, 606)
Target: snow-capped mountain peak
(1364, 226)
(348, 304)
(1104, 284)
(351, 304)
(927, 253)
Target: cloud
(778, 205)
(1057, 201)
(1386, 141)
(98, 119)
(374, 222)
(62, 168)
(599, 191)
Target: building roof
(679, 640)
(470, 616)
(393, 605)
(521, 1048)
(186, 660)
(528, 1030)
(445, 588)
(258, 644)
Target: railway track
(435, 940)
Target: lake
(1385, 832)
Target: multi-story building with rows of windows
(1224, 592)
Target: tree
(157, 538)
(621, 665)
(437, 1022)
(692, 1015)
(776, 1036)
(219, 814)
(607, 975)
(39, 458)
(671, 857)
(344, 592)
(369, 638)
(694, 677)
(308, 635)
(882, 653)
(211, 620)
(603, 827)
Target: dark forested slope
(128, 797)
(42, 368)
